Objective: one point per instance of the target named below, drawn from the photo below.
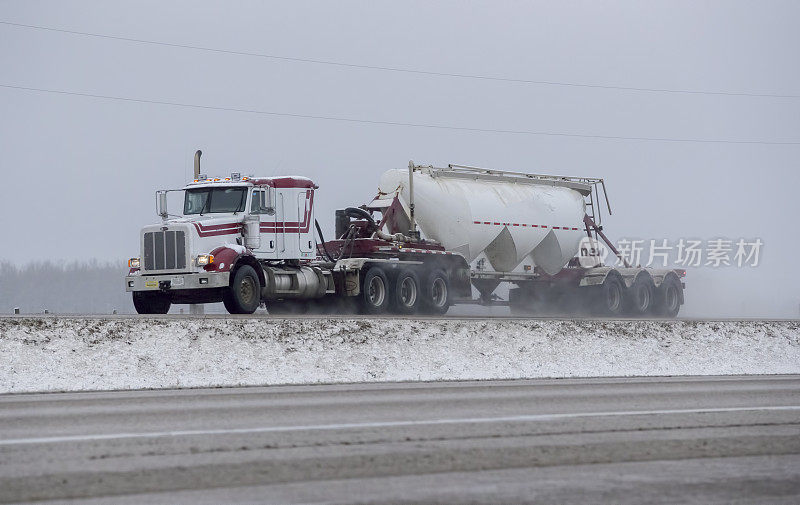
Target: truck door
(305, 225)
(263, 205)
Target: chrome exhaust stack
(197, 163)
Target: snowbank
(80, 354)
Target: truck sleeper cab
(226, 224)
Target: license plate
(151, 284)
(177, 280)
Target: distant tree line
(90, 287)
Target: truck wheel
(405, 292)
(375, 291)
(610, 297)
(667, 301)
(639, 299)
(244, 294)
(436, 294)
(151, 302)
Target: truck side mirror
(161, 204)
(268, 204)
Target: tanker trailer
(539, 221)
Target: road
(626, 440)
(453, 315)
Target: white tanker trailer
(422, 244)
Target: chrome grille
(164, 250)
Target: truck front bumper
(176, 282)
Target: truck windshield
(214, 200)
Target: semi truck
(432, 237)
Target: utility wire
(406, 70)
(393, 123)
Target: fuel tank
(508, 220)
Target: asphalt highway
(626, 440)
(347, 316)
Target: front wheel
(151, 302)
(244, 294)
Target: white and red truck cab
(226, 223)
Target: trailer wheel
(640, 299)
(436, 294)
(151, 302)
(668, 298)
(375, 291)
(610, 297)
(244, 294)
(405, 292)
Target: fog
(79, 173)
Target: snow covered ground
(88, 354)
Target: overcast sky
(79, 173)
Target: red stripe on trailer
(526, 225)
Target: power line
(407, 70)
(392, 123)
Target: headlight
(134, 263)
(204, 259)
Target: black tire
(668, 296)
(610, 297)
(244, 294)
(406, 292)
(151, 302)
(374, 297)
(435, 294)
(640, 297)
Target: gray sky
(79, 173)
